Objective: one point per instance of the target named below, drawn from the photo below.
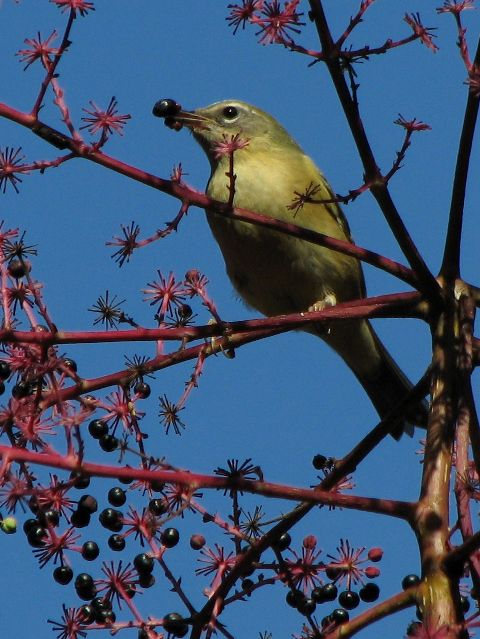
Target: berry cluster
(42, 534)
(328, 592)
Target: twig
(379, 189)
(451, 257)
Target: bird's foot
(321, 305)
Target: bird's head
(219, 123)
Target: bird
(276, 273)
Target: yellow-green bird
(276, 273)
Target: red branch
(355, 309)
(191, 196)
(194, 481)
(393, 305)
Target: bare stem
(53, 66)
(379, 189)
(451, 256)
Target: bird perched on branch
(276, 273)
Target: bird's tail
(387, 387)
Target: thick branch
(439, 603)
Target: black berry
(157, 507)
(83, 581)
(348, 599)
(105, 616)
(332, 572)
(283, 542)
(116, 542)
(142, 389)
(108, 443)
(307, 607)
(18, 268)
(146, 580)
(111, 519)
(97, 428)
(157, 486)
(90, 550)
(166, 108)
(49, 517)
(328, 592)
(101, 603)
(410, 580)
(80, 518)
(339, 616)
(80, 481)
(21, 389)
(143, 563)
(88, 504)
(370, 592)
(319, 462)
(36, 536)
(87, 614)
(63, 575)
(295, 598)
(28, 524)
(175, 624)
(170, 537)
(197, 541)
(85, 587)
(117, 496)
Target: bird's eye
(230, 112)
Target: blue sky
(282, 400)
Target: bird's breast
(273, 272)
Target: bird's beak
(189, 119)
(176, 117)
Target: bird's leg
(321, 305)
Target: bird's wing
(337, 214)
